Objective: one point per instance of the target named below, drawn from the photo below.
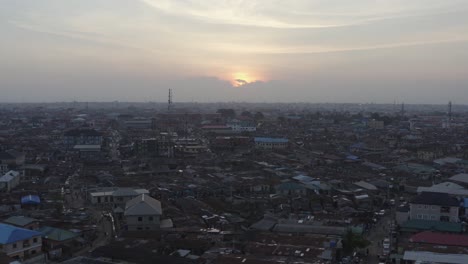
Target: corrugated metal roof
(143, 205)
(10, 234)
(271, 140)
(432, 257)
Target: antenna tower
(169, 101)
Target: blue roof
(271, 140)
(465, 202)
(30, 199)
(10, 234)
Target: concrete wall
(145, 224)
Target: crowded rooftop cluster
(233, 183)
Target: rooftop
(10, 234)
(432, 198)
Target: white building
(9, 181)
(271, 143)
(242, 126)
(143, 213)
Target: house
(291, 188)
(461, 178)
(271, 143)
(12, 158)
(55, 239)
(433, 257)
(19, 243)
(438, 238)
(23, 222)
(3, 168)
(116, 197)
(9, 181)
(435, 207)
(143, 213)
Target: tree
(246, 114)
(227, 113)
(259, 116)
(353, 241)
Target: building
(155, 147)
(271, 143)
(22, 222)
(56, 240)
(12, 158)
(242, 126)
(217, 129)
(141, 123)
(82, 137)
(143, 213)
(375, 124)
(114, 198)
(19, 243)
(9, 181)
(3, 169)
(434, 207)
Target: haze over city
(255, 51)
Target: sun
(242, 78)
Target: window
(14, 245)
(433, 217)
(150, 218)
(425, 217)
(140, 219)
(33, 252)
(419, 216)
(35, 240)
(139, 228)
(419, 206)
(433, 207)
(426, 206)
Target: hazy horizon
(245, 51)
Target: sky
(359, 51)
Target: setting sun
(242, 78)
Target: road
(376, 235)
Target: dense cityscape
(233, 183)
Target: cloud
(305, 14)
(240, 82)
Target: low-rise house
(12, 157)
(23, 222)
(143, 213)
(434, 207)
(19, 243)
(55, 239)
(9, 181)
(291, 188)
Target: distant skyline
(234, 50)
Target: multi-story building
(82, 137)
(242, 125)
(157, 147)
(143, 213)
(114, 197)
(271, 143)
(19, 243)
(435, 207)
